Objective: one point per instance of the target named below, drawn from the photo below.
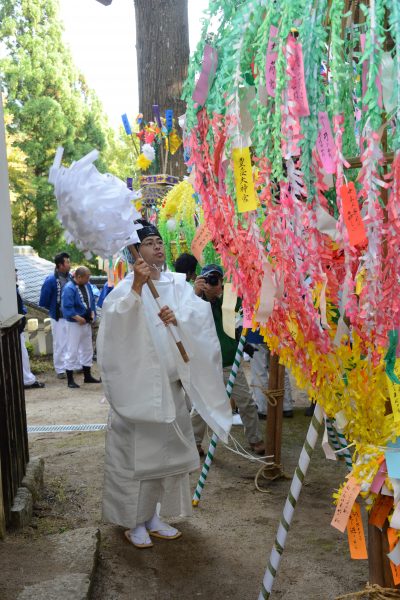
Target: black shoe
(309, 410)
(88, 378)
(71, 382)
(34, 385)
(288, 414)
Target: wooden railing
(14, 453)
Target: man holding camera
(78, 308)
(209, 286)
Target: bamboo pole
(156, 296)
(214, 439)
(290, 504)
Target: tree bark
(162, 46)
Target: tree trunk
(162, 45)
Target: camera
(212, 278)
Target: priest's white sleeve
(207, 390)
(135, 385)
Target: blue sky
(102, 41)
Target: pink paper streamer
(247, 317)
(379, 479)
(207, 75)
(271, 57)
(297, 82)
(325, 144)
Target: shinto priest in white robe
(150, 447)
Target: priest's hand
(142, 273)
(167, 316)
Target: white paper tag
(326, 447)
(394, 555)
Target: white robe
(150, 447)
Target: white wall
(8, 299)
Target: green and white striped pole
(290, 504)
(335, 435)
(332, 435)
(214, 439)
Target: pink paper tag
(270, 64)
(325, 144)
(247, 317)
(379, 479)
(297, 83)
(204, 83)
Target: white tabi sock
(139, 535)
(155, 524)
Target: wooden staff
(156, 295)
(2, 513)
(273, 427)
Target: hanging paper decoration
(246, 196)
(207, 74)
(315, 253)
(126, 124)
(179, 220)
(95, 209)
(158, 140)
(169, 115)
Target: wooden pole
(375, 553)
(279, 416)
(2, 513)
(273, 428)
(387, 571)
(156, 295)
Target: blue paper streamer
(126, 124)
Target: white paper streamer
(395, 520)
(341, 419)
(95, 210)
(326, 447)
(394, 555)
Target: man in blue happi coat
(78, 308)
(50, 298)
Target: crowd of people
(160, 405)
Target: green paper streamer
(390, 357)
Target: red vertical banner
(352, 215)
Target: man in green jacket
(209, 286)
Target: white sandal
(167, 533)
(137, 540)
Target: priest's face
(152, 251)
